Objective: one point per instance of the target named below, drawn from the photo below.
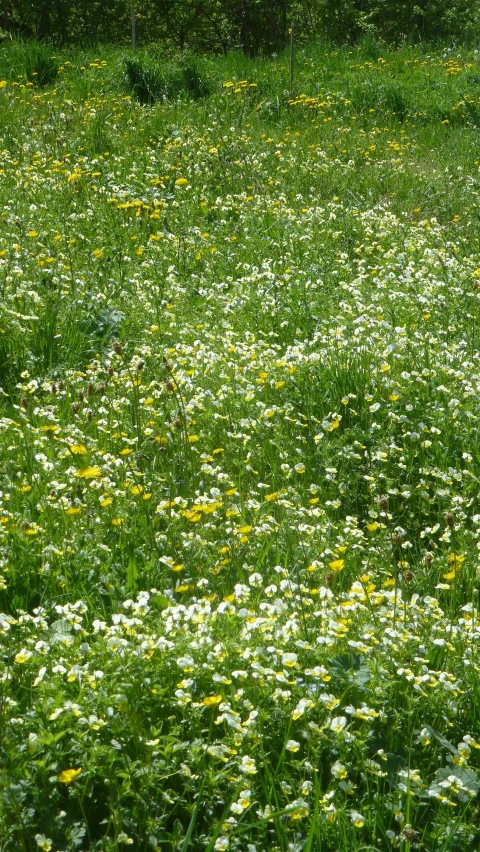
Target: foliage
(257, 26)
(239, 451)
(151, 81)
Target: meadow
(240, 450)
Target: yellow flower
(455, 561)
(98, 253)
(211, 700)
(373, 527)
(192, 439)
(181, 182)
(92, 472)
(23, 656)
(3, 83)
(69, 775)
(336, 564)
(78, 449)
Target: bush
(144, 82)
(41, 68)
(149, 83)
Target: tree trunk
(44, 21)
(245, 30)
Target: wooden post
(134, 32)
(291, 59)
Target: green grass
(239, 452)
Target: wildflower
(339, 771)
(69, 775)
(292, 746)
(43, 842)
(248, 766)
(211, 700)
(357, 819)
(298, 809)
(23, 656)
(93, 472)
(338, 723)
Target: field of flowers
(240, 452)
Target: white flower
(32, 743)
(339, 770)
(248, 766)
(357, 819)
(221, 844)
(186, 663)
(302, 705)
(338, 723)
(292, 745)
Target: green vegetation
(256, 26)
(239, 451)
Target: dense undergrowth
(239, 355)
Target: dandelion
(91, 472)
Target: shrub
(41, 68)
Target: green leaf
(441, 739)
(468, 777)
